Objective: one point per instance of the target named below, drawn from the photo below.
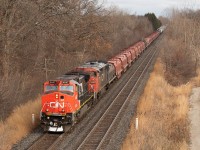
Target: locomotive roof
(97, 65)
(67, 77)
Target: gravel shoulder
(194, 116)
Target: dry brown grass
(163, 116)
(19, 123)
(162, 113)
(196, 80)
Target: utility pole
(47, 63)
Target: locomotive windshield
(49, 88)
(67, 88)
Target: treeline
(181, 46)
(41, 40)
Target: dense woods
(40, 40)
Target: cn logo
(57, 104)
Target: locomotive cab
(61, 101)
(99, 76)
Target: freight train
(65, 98)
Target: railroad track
(47, 141)
(100, 135)
(44, 142)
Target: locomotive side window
(51, 88)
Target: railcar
(132, 54)
(140, 46)
(128, 56)
(152, 37)
(117, 65)
(123, 60)
(161, 29)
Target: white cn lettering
(57, 104)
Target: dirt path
(194, 115)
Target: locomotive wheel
(74, 119)
(45, 129)
(107, 86)
(78, 114)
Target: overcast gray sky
(159, 7)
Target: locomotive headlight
(47, 110)
(48, 117)
(51, 123)
(63, 110)
(57, 96)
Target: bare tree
(181, 46)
